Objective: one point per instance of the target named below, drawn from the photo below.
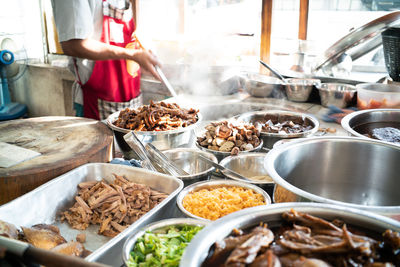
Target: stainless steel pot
(162, 140)
(270, 139)
(216, 184)
(198, 249)
(187, 159)
(370, 119)
(349, 171)
(131, 240)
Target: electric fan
(12, 67)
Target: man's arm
(96, 50)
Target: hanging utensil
(222, 168)
(42, 256)
(275, 72)
(165, 81)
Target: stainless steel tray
(44, 204)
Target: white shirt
(79, 19)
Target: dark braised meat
(305, 240)
(388, 134)
(283, 124)
(113, 206)
(156, 117)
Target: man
(106, 58)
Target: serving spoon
(275, 72)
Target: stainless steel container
(348, 171)
(188, 160)
(270, 139)
(249, 165)
(156, 226)
(44, 204)
(162, 140)
(337, 94)
(221, 155)
(259, 85)
(216, 184)
(299, 89)
(359, 122)
(198, 249)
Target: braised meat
(230, 136)
(304, 240)
(113, 206)
(283, 124)
(156, 117)
(8, 230)
(43, 236)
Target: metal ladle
(275, 72)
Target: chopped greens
(162, 248)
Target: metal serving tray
(44, 204)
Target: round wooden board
(64, 142)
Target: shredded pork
(113, 206)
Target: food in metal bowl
(214, 203)
(162, 247)
(274, 123)
(230, 136)
(156, 117)
(306, 240)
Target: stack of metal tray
(44, 204)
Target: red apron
(110, 83)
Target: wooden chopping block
(64, 142)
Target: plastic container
(378, 95)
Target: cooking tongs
(164, 162)
(151, 157)
(133, 141)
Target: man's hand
(96, 50)
(147, 61)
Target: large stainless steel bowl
(270, 139)
(249, 165)
(260, 85)
(198, 249)
(188, 160)
(156, 226)
(299, 89)
(360, 122)
(337, 94)
(349, 171)
(215, 184)
(162, 140)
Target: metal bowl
(221, 155)
(162, 140)
(360, 122)
(299, 89)
(270, 139)
(156, 226)
(259, 85)
(216, 184)
(249, 165)
(349, 171)
(187, 159)
(196, 252)
(337, 94)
